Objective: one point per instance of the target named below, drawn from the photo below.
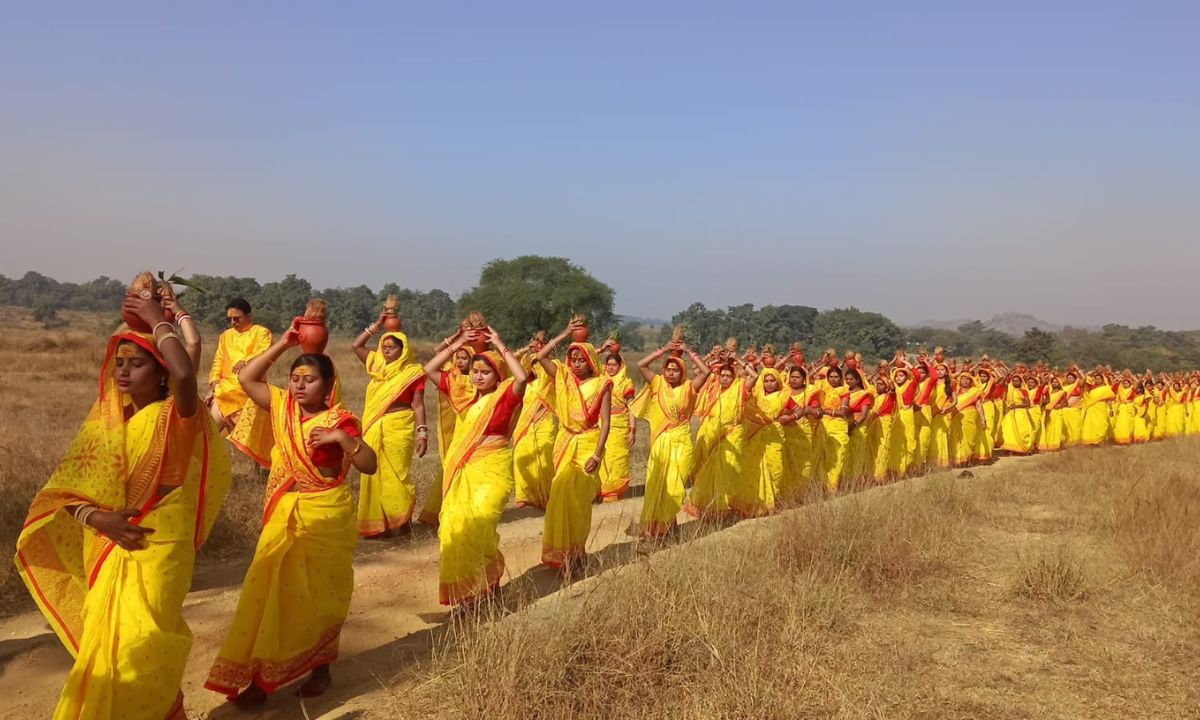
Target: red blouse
(330, 457)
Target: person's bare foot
(251, 697)
(317, 682)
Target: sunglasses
(234, 318)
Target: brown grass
(1048, 587)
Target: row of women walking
(109, 545)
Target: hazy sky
(926, 160)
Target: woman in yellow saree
(478, 475)
(583, 405)
(941, 405)
(297, 589)
(801, 439)
(614, 471)
(394, 426)
(1097, 420)
(1072, 414)
(1054, 433)
(1017, 435)
(1176, 409)
(968, 421)
(859, 459)
(457, 393)
(904, 424)
(1158, 410)
(835, 429)
(767, 410)
(1126, 411)
(108, 547)
(927, 381)
(986, 378)
(533, 436)
(719, 444)
(666, 403)
(885, 439)
(1142, 402)
(1193, 420)
(1037, 415)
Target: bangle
(158, 325)
(83, 512)
(357, 447)
(159, 341)
(422, 428)
(369, 330)
(183, 316)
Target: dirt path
(394, 617)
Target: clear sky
(927, 160)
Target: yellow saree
(614, 471)
(967, 428)
(297, 589)
(762, 462)
(451, 406)
(1176, 412)
(533, 442)
(668, 410)
(569, 515)
(1096, 420)
(939, 427)
(1017, 433)
(478, 481)
(386, 499)
(1072, 414)
(1126, 412)
(836, 434)
(1054, 430)
(801, 446)
(718, 449)
(117, 611)
(860, 461)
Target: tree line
(530, 293)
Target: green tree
(531, 293)
(869, 333)
(631, 336)
(1037, 345)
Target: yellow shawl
(111, 468)
(469, 434)
(388, 380)
(663, 406)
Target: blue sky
(927, 160)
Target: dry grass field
(1060, 586)
(1065, 586)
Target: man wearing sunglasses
(242, 341)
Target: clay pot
(391, 323)
(314, 336)
(580, 334)
(133, 321)
(614, 348)
(476, 341)
(797, 359)
(768, 360)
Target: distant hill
(1010, 323)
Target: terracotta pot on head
(313, 333)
